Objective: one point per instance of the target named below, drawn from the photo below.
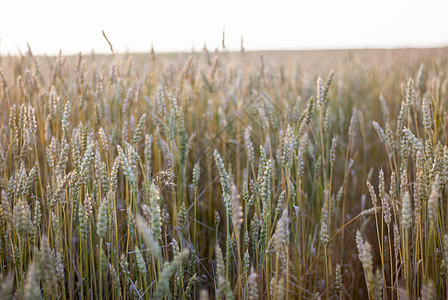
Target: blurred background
(176, 25)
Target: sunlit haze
(178, 25)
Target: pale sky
(181, 25)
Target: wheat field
(225, 175)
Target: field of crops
(221, 175)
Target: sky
(184, 25)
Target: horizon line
(18, 52)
